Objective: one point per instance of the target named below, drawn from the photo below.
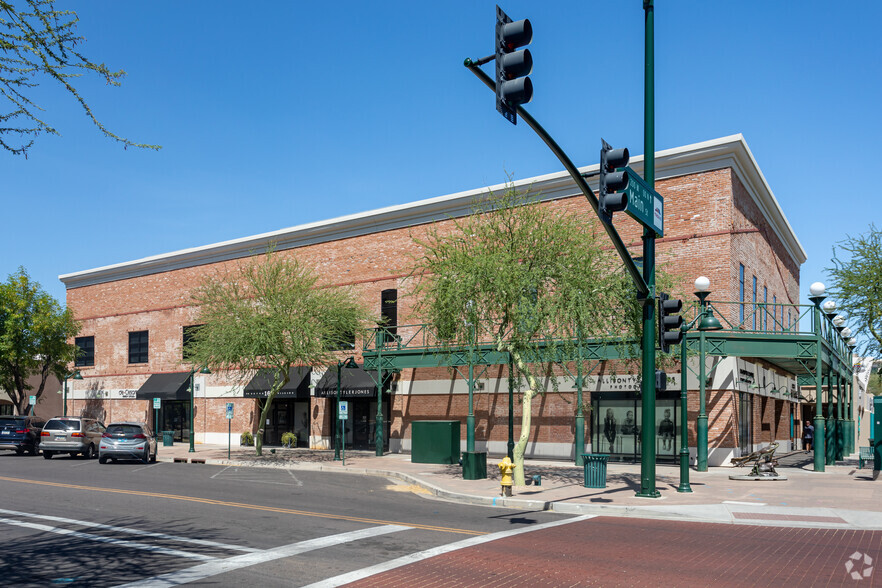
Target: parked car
(21, 433)
(127, 441)
(73, 435)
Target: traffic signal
(669, 321)
(611, 197)
(513, 86)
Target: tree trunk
(258, 438)
(526, 418)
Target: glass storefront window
(617, 419)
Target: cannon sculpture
(764, 461)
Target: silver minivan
(127, 440)
(73, 435)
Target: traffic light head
(669, 321)
(611, 196)
(513, 87)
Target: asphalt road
(69, 521)
(76, 522)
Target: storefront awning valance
(297, 387)
(355, 382)
(174, 386)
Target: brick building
(721, 220)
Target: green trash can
(595, 469)
(168, 438)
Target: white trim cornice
(720, 153)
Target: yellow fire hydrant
(506, 470)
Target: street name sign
(645, 205)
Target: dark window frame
(85, 355)
(139, 347)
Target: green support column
(701, 445)
(849, 417)
(470, 420)
(379, 425)
(840, 419)
(647, 451)
(580, 418)
(684, 425)
(830, 436)
(818, 446)
(511, 442)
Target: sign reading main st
(645, 205)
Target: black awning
(166, 386)
(297, 387)
(356, 382)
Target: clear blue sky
(273, 114)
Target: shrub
(246, 438)
(289, 439)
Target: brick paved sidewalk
(841, 497)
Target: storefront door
(174, 415)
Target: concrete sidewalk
(841, 497)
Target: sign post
(343, 415)
(229, 416)
(157, 404)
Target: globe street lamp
(74, 376)
(204, 370)
(706, 322)
(348, 363)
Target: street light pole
(817, 296)
(75, 376)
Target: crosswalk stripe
(222, 566)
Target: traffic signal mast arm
(636, 276)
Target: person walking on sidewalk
(808, 435)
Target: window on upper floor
(138, 344)
(85, 351)
(754, 303)
(741, 293)
(189, 332)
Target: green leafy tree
(37, 43)
(272, 314)
(34, 335)
(857, 286)
(523, 275)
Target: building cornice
(720, 153)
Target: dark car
(21, 433)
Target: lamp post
(74, 376)
(816, 295)
(204, 370)
(710, 323)
(348, 363)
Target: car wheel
(89, 453)
(102, 459)
(153, 458)
(146, 457)
(35, 449)
(47, 455)
(19, 450)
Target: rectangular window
(138, 347)
(765, 308)
(189, 332)
(754, 303)
(774, 313)
(85, 351)
(389, 313)
(741, 293)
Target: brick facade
(716, 219)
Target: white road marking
(744, 503)
(130, 531)
(111, 540)
(220, 472)
(299, 483)
(222, 566)
(85, 462)
(147, 467)
(441, 549)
